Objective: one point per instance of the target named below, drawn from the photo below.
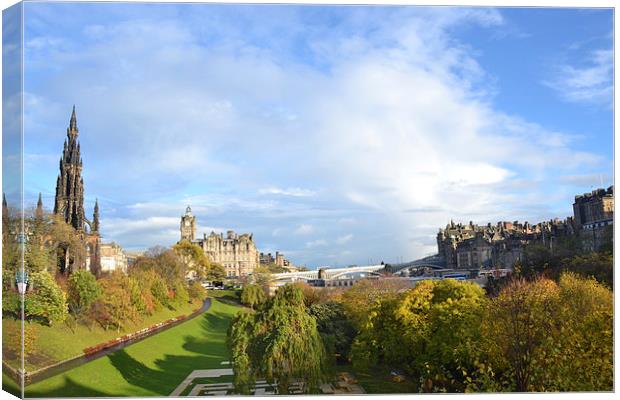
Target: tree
(114, 308)
(361, 297)
(82, 291)
(441, 324)
(597, 265)
(253, 296)
(45, 301)
(280, 342)
(154, 289)
(215, 272)
(430, 331)
(519, 330)
(335, 329)
(583, 350)
(181, 297)
(262, 277)
(165, 262)
(543, 336)
(196, 291)
(193, 257)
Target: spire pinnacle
(39, 211)
(73, 122)
(95, 225)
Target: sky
(337, 135)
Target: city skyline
(334, 143)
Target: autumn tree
(193, 258)
(358, 300)
(114, 309)
(519, 330)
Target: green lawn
(60, 342)
(152, 367)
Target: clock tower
(188, 225)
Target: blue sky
(337, 135)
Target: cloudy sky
(337, 135)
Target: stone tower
(39, 210)
(69, 200)
(95, 225)
(188, 225)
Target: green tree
(335, 329)
(253, 296)
(45, 301)
(358, 300)
(280, 343)
(196, 291)
(597, 265)
(215, 272)
(181, 297)
(82, 291)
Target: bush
(196, 291)
(181, 297)
(82, 291)
(253, 296)
(46, 301)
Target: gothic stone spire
(39, 211)
(69, 201)
(95, 226)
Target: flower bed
(131, 336)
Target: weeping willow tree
(279, 343)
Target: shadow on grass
(172, 369)
(70, 388)
(209, 349)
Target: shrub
(46, 301)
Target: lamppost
(21, 278)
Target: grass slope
(152, 367)
(59, 342)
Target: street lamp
(21, 278)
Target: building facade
(474, 246)
(594, 216)
(471, 246)
(112, 257)
(236, 253)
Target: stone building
(112, 258)
(236, 253)
(473, 246)
(594, 215)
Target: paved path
(200, 373)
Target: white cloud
(344, 239)
(316, 243)
(592, 82)
(390, 114)
(292, 191)
(304, 229)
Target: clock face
(186, 223)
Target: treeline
(445, 336)
(162, 278)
